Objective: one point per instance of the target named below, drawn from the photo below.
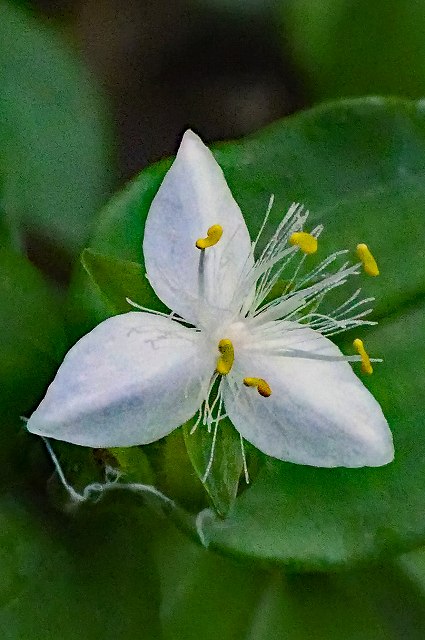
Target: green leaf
(118, 280)
(5, 231)
(222, 480)
(373, 36)
(133, 464)
(86, 304)
(54, 149)
(220, 598)
(32, 336)
(359, 166)
(91, 577)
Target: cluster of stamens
(300, 301)
(308, 244)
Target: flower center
(262, 386)
(214, 234)
(227, 357)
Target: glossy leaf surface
(359, 166)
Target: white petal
(319, 412)
(194, 196)
(131, 380)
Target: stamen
(214, 234)
(263, 387)
(368, 261)
(245, 466)
(225, 361)
(305, 241)
(366, 364)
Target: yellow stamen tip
(214, 234)
(225, 361)
(366, 364)
(368, 261)
(262, 386)
(305, 241)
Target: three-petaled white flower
(268, 366)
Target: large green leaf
(92, 577)
(54, 156)
(320, 517)
(32, 346)
(219, 598)
(32, 341)
(360, 168)
(347, 47)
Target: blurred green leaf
(90, 578)
(54, 149)
(5, 233)
(360, 167)
(357, 47)
(133, 464)
(413, 564)
(207, 596)
(86, 304)
(32, 341)
(118, 280)
(222, 481)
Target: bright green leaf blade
(222, 480)
(54, 149)
(90, 578)
(359, 166)
(32, 341)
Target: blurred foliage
(91, 577)
(356, 47)
(32, 335)
(54, 160)
(208, 596)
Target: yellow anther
(214, 234)
(263, 387)
(366, 364)
(305, 241)
(225, 361)
(369, 262)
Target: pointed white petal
(194, 196)
(319, 412)
(131, 380)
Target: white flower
(223, 351)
